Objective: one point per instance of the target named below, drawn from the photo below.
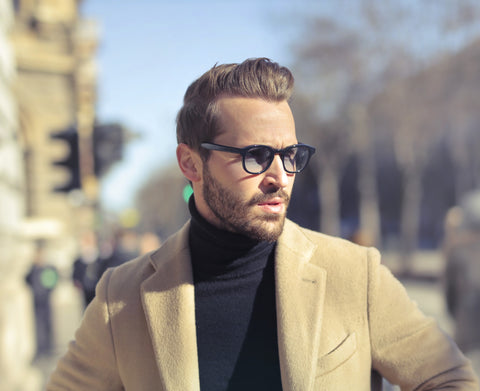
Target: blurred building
(56, 84)
(47, 87)
(16, 310)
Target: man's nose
(276, 174)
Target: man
(42, 279)
(462, 273)
(85, 273)
(241, 298)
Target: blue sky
(150, 51)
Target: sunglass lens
(296, 158)
(257, 159)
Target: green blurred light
(187, 192)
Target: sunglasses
(258, 158)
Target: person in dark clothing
(86, 268)
(462, 272)
(242, 298)
(42, 279)
(90, 264)
(125, 247)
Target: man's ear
(189, 162)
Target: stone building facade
(47, 84)
(56, 85)
(17, 343)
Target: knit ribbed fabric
(234, 309)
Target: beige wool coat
(340, 313)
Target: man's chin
(269, 230)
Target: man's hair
(197, 120)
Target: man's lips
(272, 201)
(274, 205)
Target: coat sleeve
(408, 348)
(90, 363)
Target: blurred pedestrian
(149, 241)
(125, 246)
(86, 268)
(362, 237)
(462, 272)
(42, 279)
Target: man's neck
(219, 252)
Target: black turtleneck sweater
(234, 309)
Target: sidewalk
(67, 311)
(46, 364)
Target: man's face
(232, 199)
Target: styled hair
(197, 120)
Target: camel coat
(340, 313)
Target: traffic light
(71, 161)
(108, 144)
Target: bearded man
(242, 298)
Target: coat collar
(300, 288)
(168, 301)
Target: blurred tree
(333, 150)
(458, 117)
(344, 64)
(339, 68)
(161, 203)
(432, 120)
(411, 134)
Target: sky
(151, 50)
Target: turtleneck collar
(223, 254)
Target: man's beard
(233, 213)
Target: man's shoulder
(320, 239)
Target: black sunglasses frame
(243, 152)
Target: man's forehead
(243, 110)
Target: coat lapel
(300, 290)
(168, 301)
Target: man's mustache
(280, 193)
